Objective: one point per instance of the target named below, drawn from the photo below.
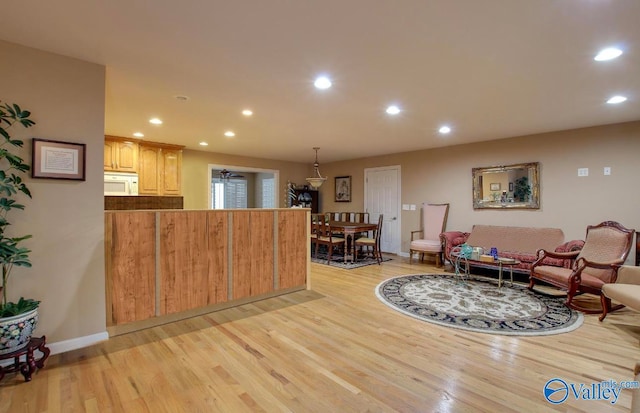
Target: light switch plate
(413, 207)
(405, 207)
(583, 171)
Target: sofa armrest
(570, 246)
(542, 254)
(628, 274)
(451, 239)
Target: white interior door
(382, 196)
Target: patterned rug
(337, 260)
(478, 305)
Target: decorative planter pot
(15, 332)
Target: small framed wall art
(494, 186)
(343, 188)
(58, 160)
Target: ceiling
(490, 69)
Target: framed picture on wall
(343, 188)
(58, 160)
(494, 186)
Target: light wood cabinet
(160, 169)
(120, 155)
(149, 170)
(171, 183)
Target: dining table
(350, 229)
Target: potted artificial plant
(17, 319)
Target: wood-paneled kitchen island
(167, 265)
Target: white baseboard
(403, 254)
(67, 345)
(76, 343)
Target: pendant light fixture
(317, 180)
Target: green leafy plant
(522, 189)
(12, 168)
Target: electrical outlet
(607, 170)
(583, 171)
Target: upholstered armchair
(625, 290)
(605, 248)
(427, 240)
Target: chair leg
(606, 306)
(410, 255)
(330, 253)
(438, 263)
(573, 289)
(532, 282)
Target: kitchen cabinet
(120, 155)
(160, 169)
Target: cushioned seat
(426, 245)
(625, 290)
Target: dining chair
(323, 236)
(372, 244)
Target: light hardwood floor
(334, 348)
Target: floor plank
(335, 348)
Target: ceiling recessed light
(203, 143)
(322, 82)
(229, 134)
(616, 99)
(155, 121)
(247, 112)
(138, 135)
(444, 129)
(393, 110)
(607, 54)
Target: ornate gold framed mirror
(508, 186)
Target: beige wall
(567, 201)
(195, 170)
(66, 98)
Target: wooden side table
(28, 366)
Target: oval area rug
(478, 305)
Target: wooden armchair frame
(580, 279)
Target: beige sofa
(625, 291)
(521, 243)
